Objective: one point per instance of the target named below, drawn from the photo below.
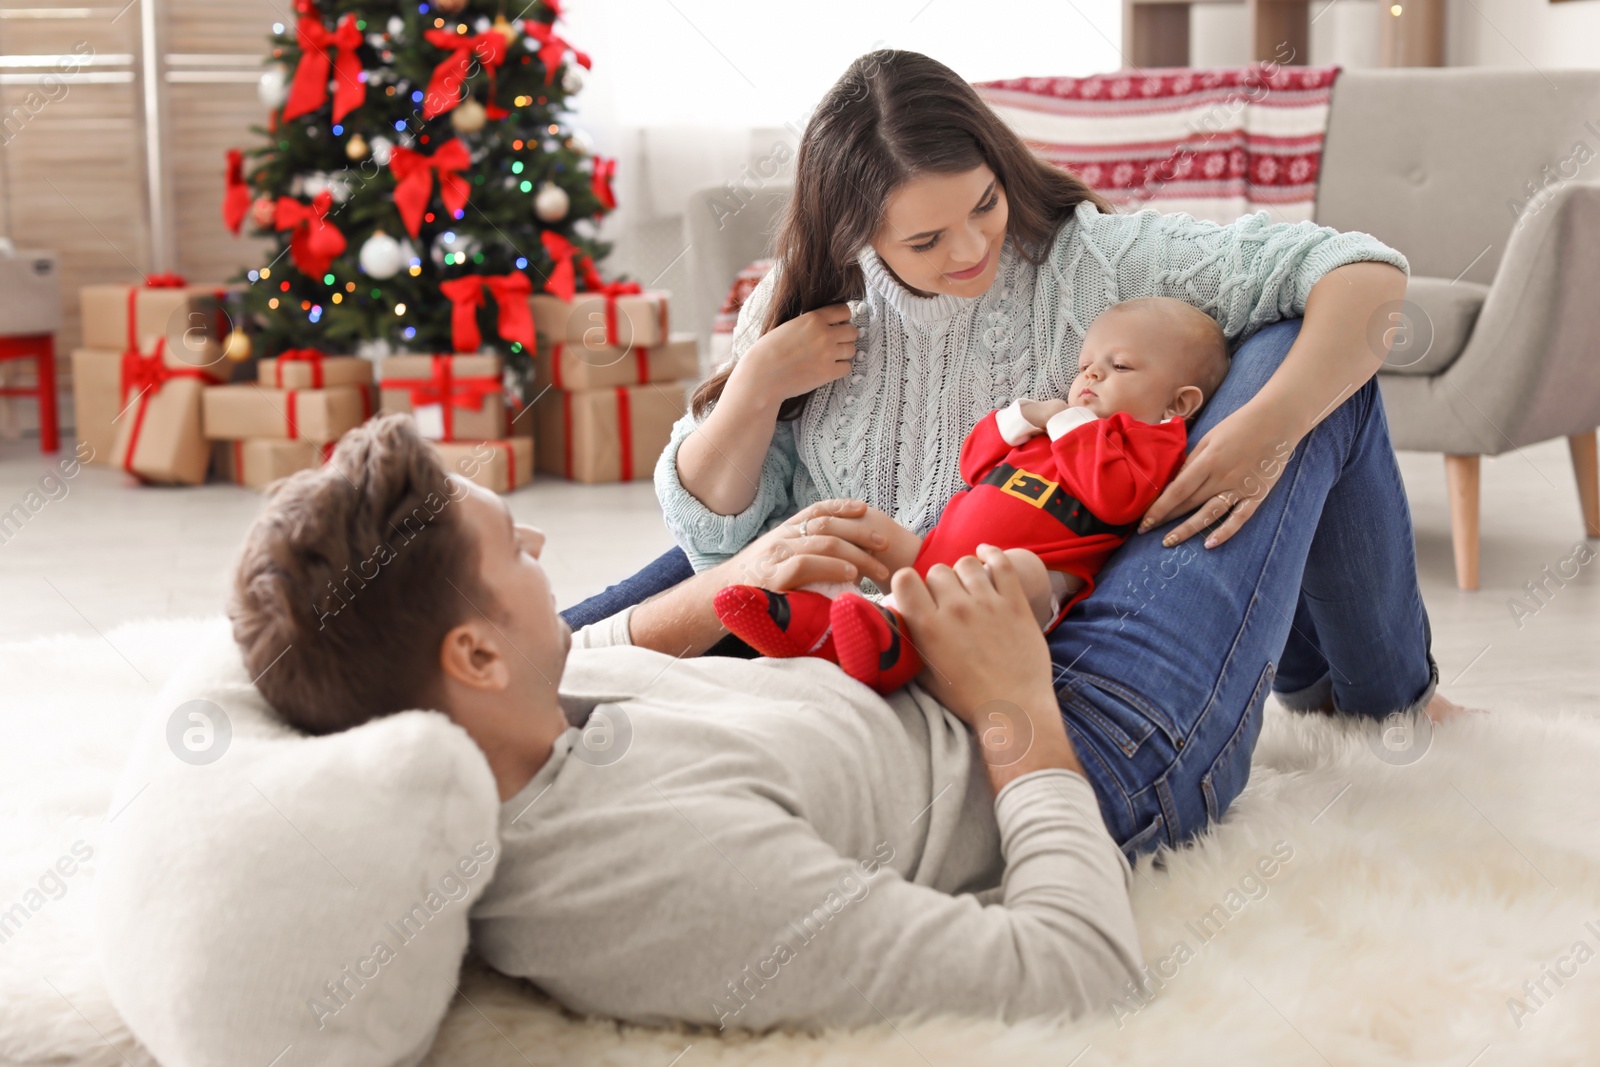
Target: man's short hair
(351, 578)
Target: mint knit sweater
(928, 368)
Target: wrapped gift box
(260, 461)
(96, 399)
(599, 320)
(500, 466)
(159, 435)
(606, 435)
(307, 368)
(472, 384)
(189, 318)
(31, 286)
(567, 366)
(236, 412)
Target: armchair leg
(1586, 468)
(1461, 480)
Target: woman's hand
(830, 541)
(1231, 470)
(986, 661)
(793, 358)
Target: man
(728, 842)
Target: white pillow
(261, 891)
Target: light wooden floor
(109, 551)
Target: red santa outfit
(1072, 493)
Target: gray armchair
(1477, 175)
(1498, 345)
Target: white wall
(1522, 33)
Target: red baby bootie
(871, 643)
(779, 625)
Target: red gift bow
(413, 173)
(624, 432)
(312, 356)
(562, 281)
(448, 391)
(510, 292)
(316, 242)
(236, 197)
(309, 90)
(593, 283)
(444, 88)
(600, 182)
(147, 374)
(165, 281)
(552, 48)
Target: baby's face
(1131, 362)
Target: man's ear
(474, 654)
(1186, 402)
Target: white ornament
(396, 26)
(381, 147)
(469, 117)
(273, 88)
(314, 184)
(374, 349)
(572, 78)
(551, 202)
(482, 25)
(381, 256)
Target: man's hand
(987, 661)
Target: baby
(1059, 484)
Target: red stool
(41, 348)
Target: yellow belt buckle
(1021, 477)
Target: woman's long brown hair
(894, 115)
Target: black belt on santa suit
(1050, 498)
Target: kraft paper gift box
(260, 461)
(30, 293)
(606, 435)
(473, 385)
(600, 320)
(500, 466)
(189, 318)
(236, 412)
(567, 366)
(96, 399)
(309, 369)
(159, 435)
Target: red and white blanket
(1215, 143)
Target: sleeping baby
(1059, 484)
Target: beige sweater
(758, 843)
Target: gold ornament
(356, 147)
(450, 7)
(470, 117)
(506, 28)
(237, 347)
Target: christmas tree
(419, 177)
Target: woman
(978, 269)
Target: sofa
(1488, 180)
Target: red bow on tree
(600, 183)
(316, 242)
(510, 292)
(552, 48)
(413, 173)
(562, 280)
(444, 88)
(309, 90)
(236, 198)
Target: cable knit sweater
(928, 368)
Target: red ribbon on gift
(316, 242)
(624, 432)
(236, 197)
(309, 89)
(448, 391)
(164, 281)
(444, 88)
(510, 292)
(511, 462)
(641, 364)
(600, 182)
(146, 374)
(594, 284)
(552, 48)
(413, 174)
(299, 355)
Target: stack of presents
(156, 395)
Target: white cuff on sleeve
(1013, 427)
(1065, 421)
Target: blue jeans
(1163, 672)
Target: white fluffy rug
(1443, 911)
